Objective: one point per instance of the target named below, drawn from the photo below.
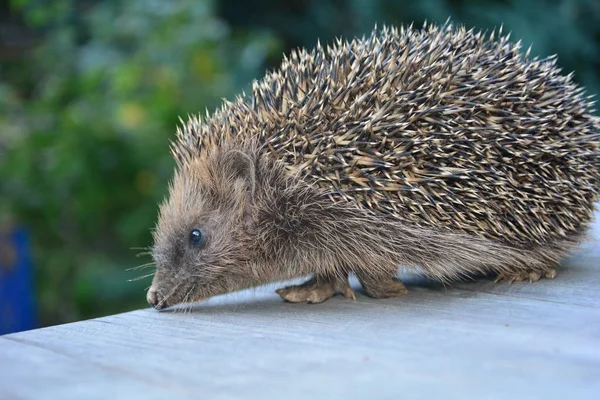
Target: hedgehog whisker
(140, 267)
(140, 277)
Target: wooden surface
(476, 340)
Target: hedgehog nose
(155, 299)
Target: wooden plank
(432, 342)
(470, 341)
(34, 372)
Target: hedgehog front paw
(316, 290)
(525, 275)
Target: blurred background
(91, 92)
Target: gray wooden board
(474, 340)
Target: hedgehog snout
(155, 299)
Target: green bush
(85, 157)
(569, 28)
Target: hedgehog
(443, 151)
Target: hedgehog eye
(197, 237)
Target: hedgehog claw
(531, 276)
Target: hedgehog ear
(239, 166)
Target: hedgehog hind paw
(316, 290)
(525, 275)
(382, 287)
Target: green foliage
(85, 157)
(86, 116)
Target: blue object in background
(16, 282)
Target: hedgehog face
(202, 239)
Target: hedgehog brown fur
(440, 149)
